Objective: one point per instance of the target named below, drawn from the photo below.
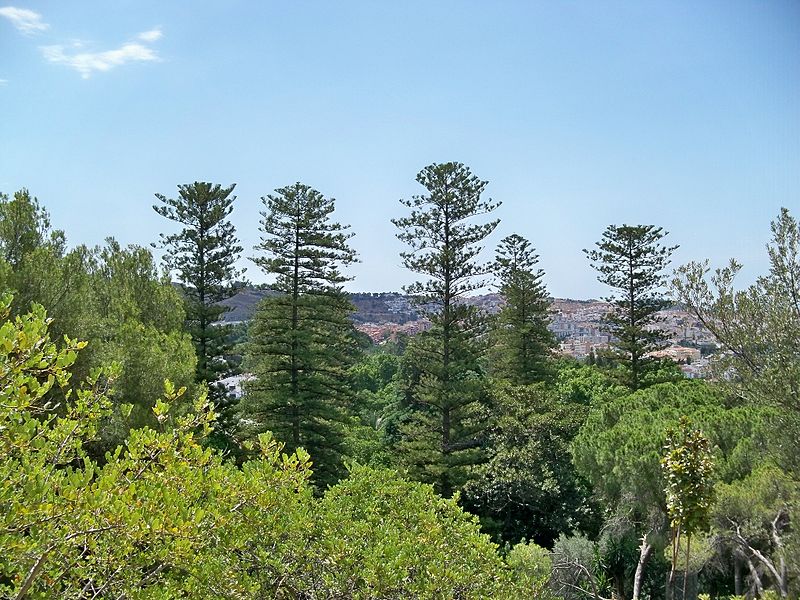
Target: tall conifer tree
(631, 260)
(203, 255)
(301, 339)
(522, 340)
(442, 438)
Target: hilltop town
(577, 324)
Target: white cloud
(87, 63)
(151, 36)
(26, 21)
(3, 81)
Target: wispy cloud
(151, 36)
(3, 81)
(87, 63)
(26, 21)
(74, 55)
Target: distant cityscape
(576, 324)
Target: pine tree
(203, 255)
(442, 436)
(301, 339)
(632, 259)
(522, 340)
(24, 227)
(36, 264)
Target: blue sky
(579, 114)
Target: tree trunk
(780, 568)
(294, 369)
(759, 588)
(675, 545)
(737, 574)
(686, 570)
(778, 572)
(645, 552)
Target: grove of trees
(470, 460)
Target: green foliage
(586, 384)
(688, 469)
(165, 517)
(203, 255)
(631, 260)
(24, 227)
(576, 573)
(759, 327)
(146, 357)
(127, 287)
(528, 488)
(388, 538)
(617, 554)
(446, 416)
(532, 566)
(105, 494)
(304, 249)
(619, 449)
(301, 341)
(111, 296)
(136, 322)
(440, 438)
(58, 507)
(38, 268)
(375, 407)
(756, 516)
(444, 244)
(701, 552)
(522, 340)
(374, 371)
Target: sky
(684, 115)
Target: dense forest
(469, 460)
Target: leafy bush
(532, 566)
(383, 537)
(165, 517)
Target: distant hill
(383, 307)
(380, 307)
(576, 324)
(243, 305)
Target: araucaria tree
(441, 438)
(631, 259)
(203, 256)
(301, 339)
(522, 340)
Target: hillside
(577, 324)
(382, 307)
